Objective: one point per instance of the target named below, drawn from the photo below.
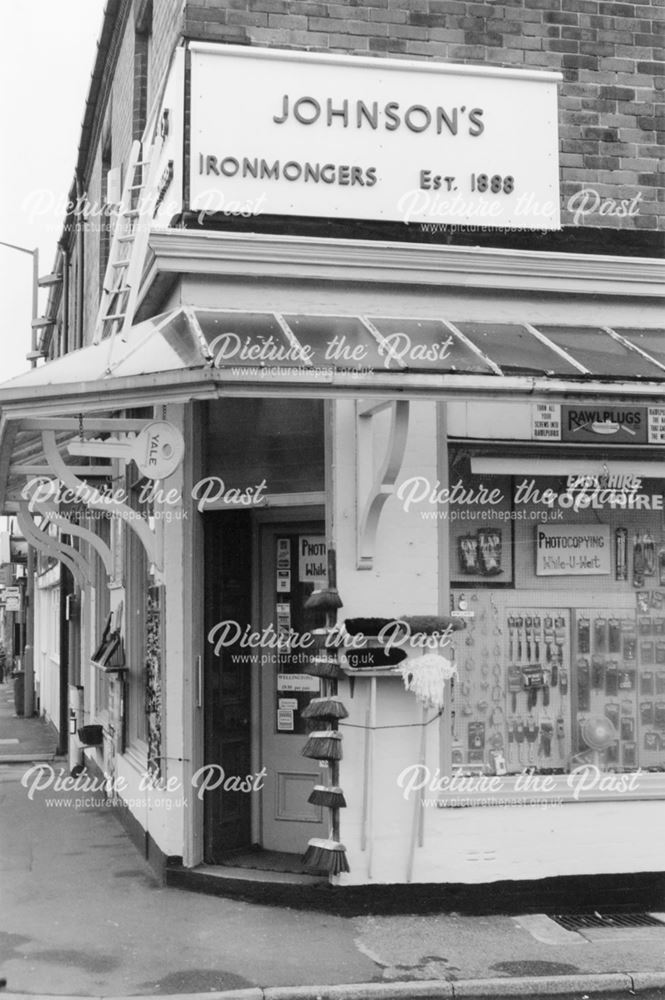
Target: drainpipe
(80, 251)
(64, 345)
(63, 722)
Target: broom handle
(370, 777)
(363, 825)
(418, 806)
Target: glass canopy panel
(248, 339)
(173, 346)
(651, 341)
(601, 354)
(341, 342)
(515, 350)
(426, 345)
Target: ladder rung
(126, 237)
(120, 263)
(131, 213)
(112, 316)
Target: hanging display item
(621, 554)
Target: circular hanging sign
(158, 449)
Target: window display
(563, 663)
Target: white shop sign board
(573, 550)
(276, 132)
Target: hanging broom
(326, 855)
(324, 665)
(325, 708)
(326, 598)
(330, 796)
(323, 745)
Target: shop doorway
(292, 561)
(227, 687)
(258, 576)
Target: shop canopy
(190, 353)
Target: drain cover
(579, 921)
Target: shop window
(561, 582)
(286, 444)
(101, 527)
(137, 589)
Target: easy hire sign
(298, 133)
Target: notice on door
(573, 550)
(312, 560)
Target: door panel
(291, 556)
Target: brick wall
(611, 54)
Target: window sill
(587, 784)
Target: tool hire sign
(298, 133)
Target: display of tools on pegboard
(537, 645)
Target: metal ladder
(129, 243)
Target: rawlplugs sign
(602, 423)
(298, 133)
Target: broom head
(326, 599)
(330, 796)
(326, 855)
(323, 745)
(324, 665)
(325, 708)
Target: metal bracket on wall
(51, 546)
(132, 518)
(372, 492)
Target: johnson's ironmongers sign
(296, 133)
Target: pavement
(82, 915)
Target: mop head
(327, 795)
(326, 855)
(426, 676)
(323, 745)
(327, 599)
(324, 665)
(325, 708)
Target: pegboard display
(531, 676)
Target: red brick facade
(611, 120)
(612, 56)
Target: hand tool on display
(519, 625)
(514, 686)
(563, 681)
(512, 639)
(612, 679)
(532, 731)
(511, 743)
(597, 673)
(614, 640)
(583, 635)
(600, 635)
(646, 682)
(546, 687)
(561, 736)
(529, 639)
(519, 739)
(538, 636)
(546, 733)
(583, 682)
